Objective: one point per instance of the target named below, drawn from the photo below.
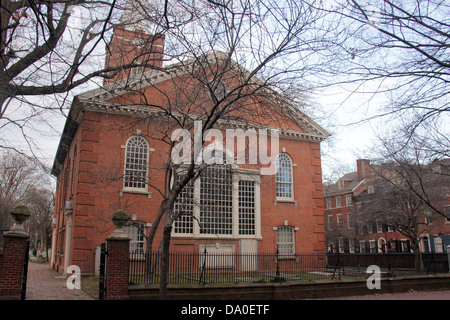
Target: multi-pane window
(284, 177)
(341, 246)
(348, 200)
(216, 200)
(219, 202)
(136, 163)
(285, 240)
(340, 221)
(135, 231)
(184, 207)
(330, 222)
(246, 207)
(338, 202)
(350, 220)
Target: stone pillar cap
(20, 214)
(120, 219)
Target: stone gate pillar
(12, 261)
(118, 259)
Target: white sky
(336, 113)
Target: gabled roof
(346, 184)
(96, 100)
(102, 94)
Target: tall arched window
(284, 177)
(136, 163)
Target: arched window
(284, 177)
(136, 163)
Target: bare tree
(420, 166)
(40, 202)
(395, 55)
(404, 194)
(230, 65)
(19, 178)
(47, 49)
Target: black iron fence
(233, 268)
(428, 262)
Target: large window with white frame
(247, 208)
(284, 177)
(223, 201)
(216, 200)
(136, 163)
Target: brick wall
(117, 264)
(12, 266)
(98, 190)
(288, 291)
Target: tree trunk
(165, 258)
(417, 257)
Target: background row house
(113, 152)
(362, 217)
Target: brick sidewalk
(43, 283)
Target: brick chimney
(363, 168)
(130, 43)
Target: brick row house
(349, 230)
(109, 131)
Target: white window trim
(338, 205)
(362, 246)
(348, 203)
(351, 245)
(329, 204)
(349, 220)
(292, 243)
(237, 175)
(341, 244)
(339, 221)
(372, 245)
(132, 240)
(291, 198)
(330, 222)
(131, 189)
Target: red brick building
(109, 130)
(352, 195)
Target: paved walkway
(43, 283)
(412, 295)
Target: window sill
(276, 201)
(180, 236)
(143, 192)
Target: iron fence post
(101, 282)
(203, 268)
(23, 290)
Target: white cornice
(154, 77)
(137, 111)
